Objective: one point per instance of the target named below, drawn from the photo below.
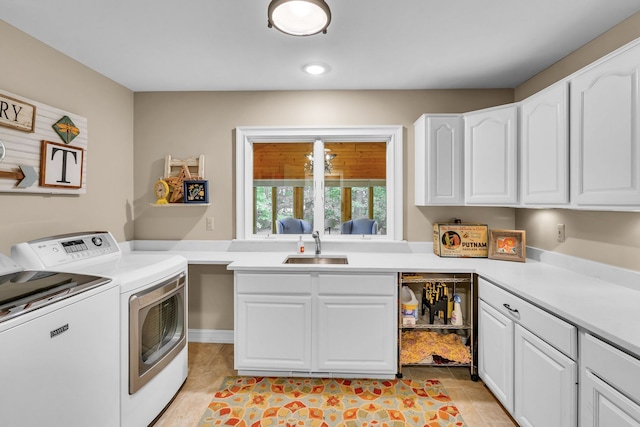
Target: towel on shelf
(421, 346)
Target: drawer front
(613, 366)
(291, 284)
(553, 330)
(357, 284)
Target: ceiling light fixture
(299, 17)
(315, 69)
(328, 157)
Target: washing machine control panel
(59, 250)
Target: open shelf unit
(462, 284)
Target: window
(283, 189)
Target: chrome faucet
(316, 237)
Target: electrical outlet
(560, 232)
(209, 223)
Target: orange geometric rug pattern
(323, 402)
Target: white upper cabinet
(605, 120)
(491, 142)
(544, 147)
(439, 160)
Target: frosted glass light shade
(299, 17)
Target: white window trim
(247, 135)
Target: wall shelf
(171, 205)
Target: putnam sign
(16, 114)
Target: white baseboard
(211, 335)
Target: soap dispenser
(300, 245)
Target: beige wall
(193, 123)
(35, 71)
(607, 237)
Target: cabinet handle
(508, 307)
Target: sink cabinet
(273, 320)
(316, 323)
(355, 322)
(527, 358)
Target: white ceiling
(184, 45)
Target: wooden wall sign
(17, 114)
(61, 165)
(33, 166)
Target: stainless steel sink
(316, 259)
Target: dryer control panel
(54, 251)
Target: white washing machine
(153, 313)
(59, 348)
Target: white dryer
(153, 313)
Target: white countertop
(600, 299)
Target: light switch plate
(560, 233)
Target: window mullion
(318, 186)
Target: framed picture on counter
(508, 245)
(196, 191)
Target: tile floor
(210, 363)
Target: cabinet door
(544, 147)
(604, 406)
(495, 353)
(605, 144)
(544, 378)
(272, 321)
(356, 334)
(609, 387)
(357, 320)
(490, 156)
(273, 332)
(439, 160)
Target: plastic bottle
(300, 245)
(409, 303)
(456, 315)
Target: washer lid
(26, 291)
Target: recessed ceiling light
(316, 69)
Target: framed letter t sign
(60, 165)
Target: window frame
(246, 136)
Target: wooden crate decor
(196, 191)
(16, 114)
(66, 129)
(24, 169)
(174, 167)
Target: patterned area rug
(315, 402)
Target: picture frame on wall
(196, 191)
(508, 245)
(61, 165)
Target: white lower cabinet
(526, 357)
(272, 322)
(609, 386)
(356, 323)
(495, 353)
(544, 378)
(316, 323)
